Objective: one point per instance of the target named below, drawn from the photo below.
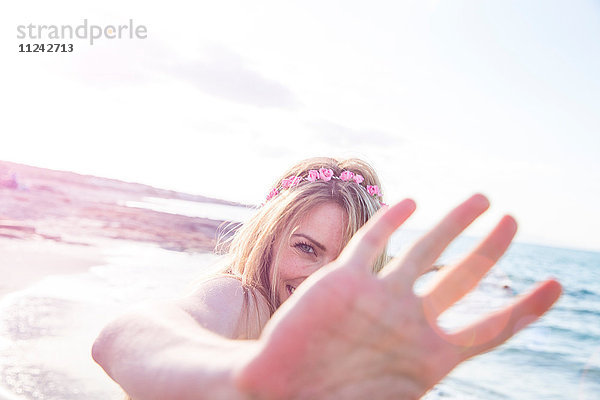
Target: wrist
(191, 372)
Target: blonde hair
(250, 250)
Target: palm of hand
(350, 334)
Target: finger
(496, 328)
(366, 244)
(453, 282)
(406, 270)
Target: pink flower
(313, 175)
(325, 174)
(285, 183)
(346, 176)
(290, 181)
(294, 180)
(272, 194)
(373, 190)
(358, 178)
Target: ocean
(46, 330)
(558, 356)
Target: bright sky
(444, 98)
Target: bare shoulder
(222, 305)
(216, 304)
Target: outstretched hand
(348, 333)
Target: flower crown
(325, 174)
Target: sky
(443, 98)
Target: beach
(73, 255)
(77, 250)
(58, 222)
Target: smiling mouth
(290, 289)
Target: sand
(24, 262)
(56, 223)
(53, 222)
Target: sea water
(556, 357)
(46, 330)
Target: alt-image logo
(83, 31)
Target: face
(316, 241)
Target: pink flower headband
(324, 174)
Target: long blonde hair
(249, 252)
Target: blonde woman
(310, 307)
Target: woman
(325, 317)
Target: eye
(305, 248)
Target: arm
(345, 333)
(177, 350)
